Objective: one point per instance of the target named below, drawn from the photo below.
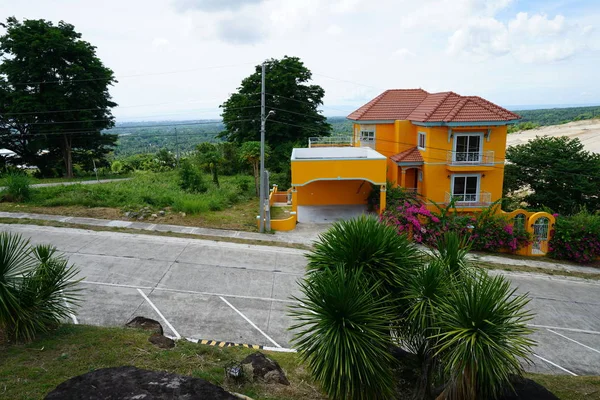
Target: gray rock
(161, 341)
(154, 215)
(146, 324)
(261, 367)
(129, 383)
(162, 213)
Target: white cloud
(402, 53)
(345, 6)
(213, 5)
(334, 30)
(481, 37)
(536, 25)
(547, 53)
(240, 31)
(160, 42)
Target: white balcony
(330, 141)
(465, 158)
(475, 200)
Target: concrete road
(240, 293)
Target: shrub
(36, 288)
(366, 243)
(344, 334)
(281, 179)
(18, 187)
(190, 178)
(576, 238)
(190, 205)
(482, 337)
(117, 167)
(243, 183)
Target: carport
(334, 183)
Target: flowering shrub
(576, 238)
(488, 231)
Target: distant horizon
(522, 107)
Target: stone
(527, 389)
(146, 324)
(141, 218)
(128, 214)
(261, 367)
(161, 341)
(162, 213)
(182, 214)
(129, 383)
(154, 215)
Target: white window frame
(367, 136)
(454, 150)
(477, 192)
(424, 136)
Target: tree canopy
(563, 176)
(294, 101)
(54, 99)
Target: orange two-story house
(441, 145)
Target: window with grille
(422, 137)
(465, 188)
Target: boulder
(129, 383)
(161, 341)
(146, 324)
(527, 389)
(261, 367)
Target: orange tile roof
(420, 106)
(412, 155)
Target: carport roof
(336, 153)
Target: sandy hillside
(588, 133)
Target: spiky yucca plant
(343, 334)
(483, 336)
(36, 288)
(366, 243)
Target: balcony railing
(330, 141)
(458, 158)
(481, 199)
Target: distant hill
(554, 116)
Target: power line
(132, 76)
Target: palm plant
(366, 243)
(343, 334)
(36, 288)
(482, 335)
(451, 251)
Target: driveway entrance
(329, 214)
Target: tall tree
(54, 99)
(294, 102)
(562, 175)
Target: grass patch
(31, 371)
(281, 212)
(35, 181)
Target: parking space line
(177, 335)
(565, 329)
(189, 292)
(556, 365)
(574, 341)
(250, 322)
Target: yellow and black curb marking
(216, 343)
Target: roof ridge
(438, 103)
(370, 104)
(456, 109)
(485, 103)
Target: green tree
(250, 153)
(294, 102)
(210, 156)
(562, 175)
(54, 99)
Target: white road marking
(556, 365)
(160, 314)
(574, 341)
(73, 317)
(250, 322)
(235, 296)
(565, 329)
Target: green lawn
(230, 206)
(30, 371)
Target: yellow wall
(306, 171)
(333, 193)
(394, 138)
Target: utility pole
(262, 151)
(177, 146)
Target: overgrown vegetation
(37, 288)
(17, 187)
(576, 237)
(468, 331)
(556, 116)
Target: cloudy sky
(179, 59)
